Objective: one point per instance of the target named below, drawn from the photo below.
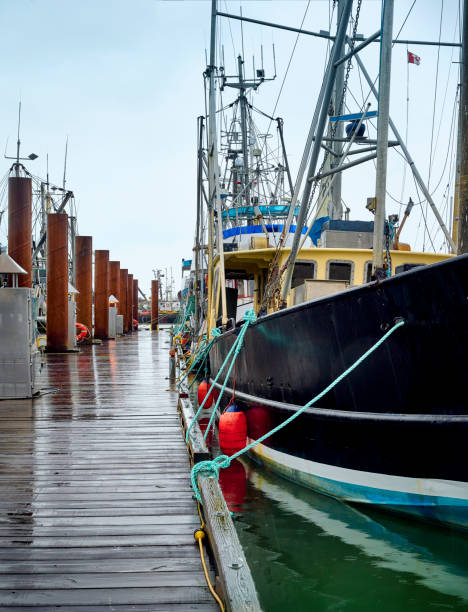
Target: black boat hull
(393, 432)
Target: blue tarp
(316, 230)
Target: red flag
(413, 58)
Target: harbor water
(307, 551)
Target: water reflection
(308, 551)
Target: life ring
(83, 331)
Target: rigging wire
(434, 111)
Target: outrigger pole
(317, 129)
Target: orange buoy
(233, 483)
(203, 389)
(232, 430)
(83, 331)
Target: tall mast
(382, 131)
(213, 178)
(463, 127)
(197, 249)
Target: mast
(197, 228)
(245, 149)
(463, 152)
(382, 132)
(213, 181)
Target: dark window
(368, 272)
(407, 266)
(303, 270)
(339, 271)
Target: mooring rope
(249, 318)
(223, 461)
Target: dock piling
(101, 294)
(84, 281)
(57, 282)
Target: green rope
(216, 332)
(249, 318)
(223, 461)
(202, 349)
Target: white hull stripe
(305, 471)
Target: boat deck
(96, 509)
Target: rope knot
(250, 316)
(215, 332)
(208, 468)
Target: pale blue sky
(123, 80)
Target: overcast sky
(123, 80)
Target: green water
(310, 552)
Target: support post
(130, 302)
(57, 282)
(135, 299)
(20, 226)
(84, 281)
(154, 305)
(101, 294)
(337, 208)
(382, 132)
(114, 280)
(123, 297)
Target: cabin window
(340, 271)
(303, 270)
(407, 266)
(368, 272)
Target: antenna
(17, 158)
(18, 142)
(65, 164)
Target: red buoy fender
(83, 331)
(232, 430)
(233, 483)
(203, 389)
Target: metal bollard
(172, 366)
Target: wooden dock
(96, 509)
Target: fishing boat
(339, 304)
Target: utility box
(313, 289)
(346, 240)
(19, 357)
(112, 321)
(119, 325)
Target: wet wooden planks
(96, 509)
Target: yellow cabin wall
(256, 260)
